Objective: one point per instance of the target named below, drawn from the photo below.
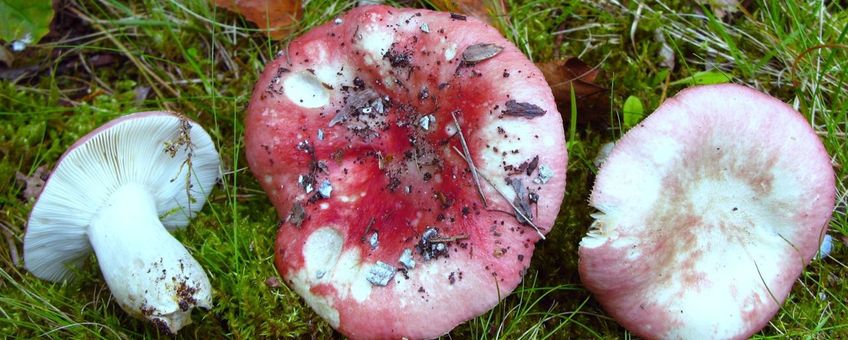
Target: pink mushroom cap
(351, 132)
(708, 212)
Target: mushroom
(414, 158)
(119, 190)
(708, 212)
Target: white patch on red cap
(305, 90)
(376, 42)
(321, 304)
(450, 51)
(326, 264)
(321, 253)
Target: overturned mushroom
(119, 191)
(709, 210)
(425, 147)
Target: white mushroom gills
(120, 190)
(150, 273)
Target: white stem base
(150, 273)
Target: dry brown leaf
(273, 15)
(33, 184)
(272, 282)
(592, 100)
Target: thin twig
(367, 229)
(449, 238)
(793, 71)
(468, 160)
(760, 274)
(518, 212)
(10, 241)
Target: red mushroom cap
(709, 210)
(351, 132)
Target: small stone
(380, 273)
(425, 28)
(305, 182)
(325, 189)
(406, 259)
(377, 104)
(426, 121)
(372, 241)
(20, 45)
(603, 154)
(545, 175)
(338, 21)
(320, 134)
(825, 247)
(429, 233)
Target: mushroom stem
(150, 273)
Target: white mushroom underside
(703, 209)
(692, 264)
(86, 177)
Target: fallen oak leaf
(592, 100)
(272, 16)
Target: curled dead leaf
(275, 16)
(273, 282)
(33, 184)
(592, 100)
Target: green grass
(203, 61)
